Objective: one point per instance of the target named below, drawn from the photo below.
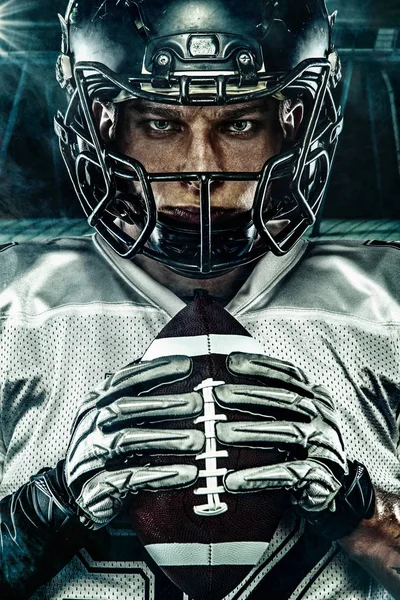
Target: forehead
(235, 111)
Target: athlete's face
(167, 138)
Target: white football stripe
(192, 555)
(199, 345)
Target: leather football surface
(207, 541)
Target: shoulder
(374, 259)
(40, 276)
(16, 259)
(349, 277)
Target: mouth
(190, 215)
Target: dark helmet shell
(127, 37)
(199, 52)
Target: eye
(240, 126)
(161, 125)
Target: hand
(314, 480)
(114, 425)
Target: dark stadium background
(36, 198)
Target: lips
(191, 215)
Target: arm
(39, 534)
(375, 543)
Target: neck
(222, 288)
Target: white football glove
(114, 427)
(314, 480)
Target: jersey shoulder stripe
(4, 247)
(383, 244)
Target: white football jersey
(72, 312)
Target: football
(205, 539)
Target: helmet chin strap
(224, 244)
(182, 245)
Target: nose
(201, 156)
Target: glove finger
(149, 409)
(266, 367)
(135, 379)
(261, 399)
(313, 485)
(99, 449)
(143, 377)
(316, 437)
(102, 496)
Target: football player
(199, 137)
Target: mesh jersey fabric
(71, 312)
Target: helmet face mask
(146, 54)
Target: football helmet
(198, 52)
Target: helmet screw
(163, 59)
(244, 58)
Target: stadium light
(14, 31)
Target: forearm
(375, 544)
(33, 549)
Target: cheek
(155, 155)
(251, 155)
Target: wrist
(49, 498)
(354, 503)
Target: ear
(292, 113)
(105, 116)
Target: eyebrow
(160, 111)
(236, 113)
(143, 107)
